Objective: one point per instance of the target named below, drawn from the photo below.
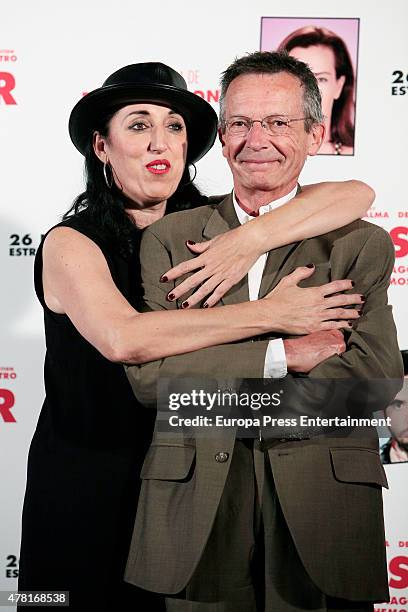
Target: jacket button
(222, 457)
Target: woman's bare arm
(77, 282)
(225, 260)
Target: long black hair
(105, 207)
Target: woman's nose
(158, 140)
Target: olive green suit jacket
(329, 488)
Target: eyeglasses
(275, 125)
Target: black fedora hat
(151, 82)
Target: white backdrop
(55, 51)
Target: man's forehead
(266, 79)
(257, 89)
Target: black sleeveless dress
(85, 459)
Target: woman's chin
(147, 200)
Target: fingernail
(353, 284)
(163, 279)
(190, 242)
(310, 265)
(170, 297)
(205, 305)
(363, 298)
(184, 304)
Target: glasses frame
(263, 123)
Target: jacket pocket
(358, 465)
(164, 462)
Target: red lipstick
(159, 166)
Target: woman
(329, 59)
(137, 133)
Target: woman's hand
(313, 309)
(221, 263)
(225, 260)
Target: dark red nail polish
(184, 305)
(163, 279)
(363, 298)
(170, 297)
(310, 265)
(190, 242)
(205, 305)
(353, 284)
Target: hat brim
(200, 117)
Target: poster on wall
(330, 48)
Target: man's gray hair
(273, 62)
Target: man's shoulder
(359, 232)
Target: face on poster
(395, 449)
(330, 48)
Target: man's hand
(305, 353)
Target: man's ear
(316, 135)
(98, 143)
(221, 136)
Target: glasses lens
(238, 126)
(276, 125)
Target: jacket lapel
(279, 261)
(223, 219)
(278, 264)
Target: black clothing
(85, 458)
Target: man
(288, 524)
(395, 450)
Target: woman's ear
(98, 143)
(339, 86)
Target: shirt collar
(243, 216)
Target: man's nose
(257, 137)
(158, 140)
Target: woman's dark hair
(105, 207)
(342, 120)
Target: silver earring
(108, 182)
(192, 179)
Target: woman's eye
(322, 80)
(139, 126)
(176, 126)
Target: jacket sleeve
(236, 360)
(372, 357)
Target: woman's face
(321, 61)
(146, 147)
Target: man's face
(262, 163)
(398, 412)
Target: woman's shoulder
(79, 224)
(74, 233)
(80, 221)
